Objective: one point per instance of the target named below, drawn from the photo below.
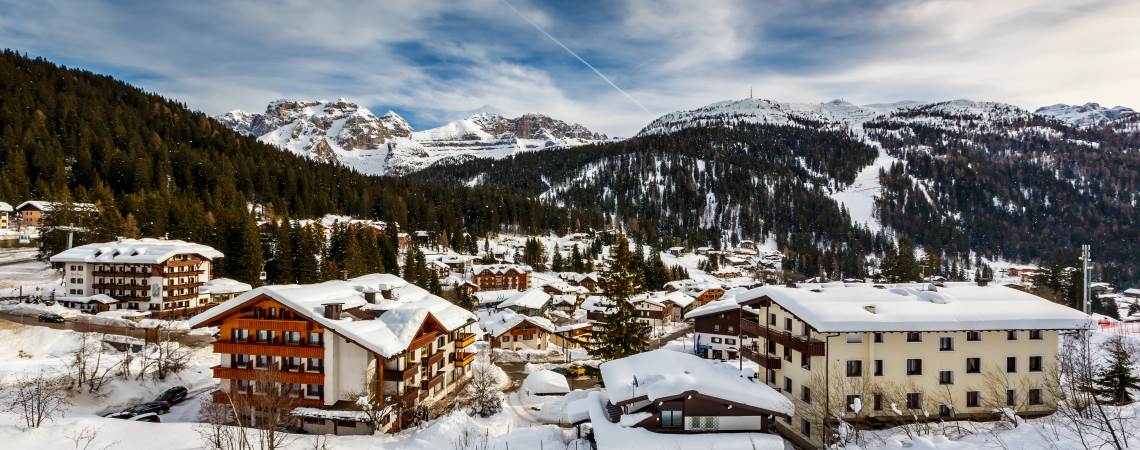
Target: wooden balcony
(434, 358)
(191, 285)
(812, 347)
(253, 399)
(429, 382)
(175, 298)
(462, 359)
(464, 339)
(422, 340)
(104, 273)
(254, 348)
(749, 328)
(408, 398)
(273, 324)
(401, 375)
(231, 373)
(766, 361)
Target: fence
(1120, 328)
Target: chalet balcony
(268, 349)
(749, 328)
(255, 399)
(175, 298)
(232, 373)
(766, 361)
(812, 347)
(462, 359)
(464, 339)
(401, 375)
(430, 382)
(434, 358)
(273, 324)
(408, 398)
(422, 341)
(191, 285)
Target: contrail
(571, 52)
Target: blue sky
(436, 61)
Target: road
(189, 340)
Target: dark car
(173, 396)
(141, 409)
(51, 318)
(147, 417)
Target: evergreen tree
(622, 334)
(556, 263)
(576, 263)
(1115, 381)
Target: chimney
(332, 310)
(385, 290)
(370, 296)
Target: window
(945, 377)
(716, 340)
(672, 418)
(854, 368)
(973, 365)
(914, 400)
(878, 338)
(1034, 363)
(730, 329)
(1011, 397)
(913, 337)
(878, 402)
(945, 411)
(854, 338)
(1011, 364)
(716, 327)
(788, 324)
(1011, 335)
(945, 344)
(1036, 335)
(787, 385)
(262, 335)
(788, 354)
(805, 361)
(973, 399)
(914, 367)
(243, 386)
(313, 365)
(239, 335)
(1035, 397)
(805, 427)
(505, 338)
(293, 337)
(314, 338)
(805, 329)
(851, 400)
(730, 341)
(314, 390)
(261, 362)
(878, 367)
(805, 394)
(772, 319)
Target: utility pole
(1085, 263)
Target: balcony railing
(422, 340)
(462, 359)
(767, 361)
(273, 324)
(401, 375)
(409, 397)
(464, 339)
(434, 358)
(429, 382)
(232, 373)
(267, 349)
(812, 347)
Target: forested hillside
(708, 186)
(156, 168)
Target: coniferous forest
(155, 168)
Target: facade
(31, 212)
(501, 276)
(650, 310)
(717, 329)
(508, 330)
(956, 350)
(704, 294)
(6, 211)
(672, 392)
(532, 302)
(140, 274)
(327, 343)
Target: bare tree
(482, 395)
(38, 398)
(216, 430)
(1086, 415)
(164, 357)
(90, 369)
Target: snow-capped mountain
(1088, 114)
(348, 133)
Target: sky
(612, 66)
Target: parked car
(173, 396)
(141, 409)
(146, 417)
(51, 318)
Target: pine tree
(622, 334)
(556, 263)
(1114, 382)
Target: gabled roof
(388, 335)
(224, 286)
(661, 373)
(134, 251)
(531, 299)
(4, 207)
(500, 268)
(48, 206)
(502, 321)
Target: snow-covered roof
(134, 251)
(319, 413)
(224, 286)
(863, 307)
(48, 206)
(499, 268)
(718, 306)
(596, 303)
(388, 335)
(665, 373)
(4, 207)
(494, 297)
(531, 299)
(502, 321)
(545, 382)
(1132, 291)
(97, 298)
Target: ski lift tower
(1085, 265)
